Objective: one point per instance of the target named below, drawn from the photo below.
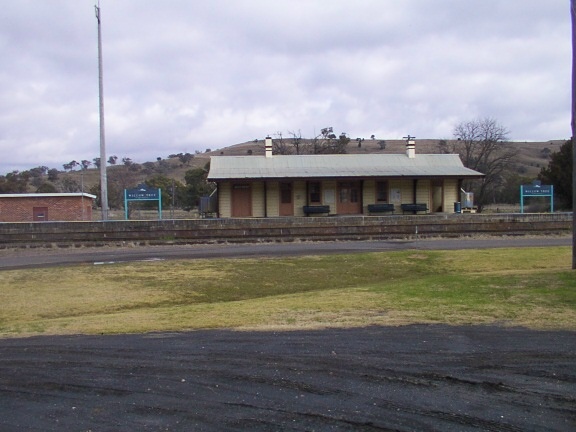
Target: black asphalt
(45, 257)
(411, 378)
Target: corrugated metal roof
(355, 165)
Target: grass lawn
(532, 287)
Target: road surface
(45, 257)
(410, 378)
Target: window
(382, 191)
(349, 192)
(354, 195)
(344, 192)
(314, 192)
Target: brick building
(37, 207)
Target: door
(349, 201)
(286, 199)
(40, 214)
(437, 196)
(241, 200)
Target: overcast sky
(184, 76)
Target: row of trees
(175, 194)
(482, 145)
(325, 143)
(20, 182)
(184, 158)
(125, 176)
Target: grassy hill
(532, 156)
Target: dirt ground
(412, 378)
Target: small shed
(43, 207)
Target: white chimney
(268, 146)
(411, 149)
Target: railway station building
(337, 184)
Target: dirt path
(409, 378)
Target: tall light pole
(103, 177)
(573, 124)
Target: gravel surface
(411, 378)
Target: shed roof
(44, 195)
(335, 166)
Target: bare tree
(482, 146)
(444, 146)
(325, 143)
(297, 142)
(281, 145)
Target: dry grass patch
(530, 287)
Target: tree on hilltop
(14, 182)
(325, 143)
(328, 143)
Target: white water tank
(467, 199)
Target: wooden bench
(414, 208)
(317, 209)
(381, 208)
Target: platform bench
(414, 208)
(380, 208)
(318, 209)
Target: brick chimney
(268, 146)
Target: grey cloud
(185, 76)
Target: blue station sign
(143, 194)
(536, 189)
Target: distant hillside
(532, 156)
